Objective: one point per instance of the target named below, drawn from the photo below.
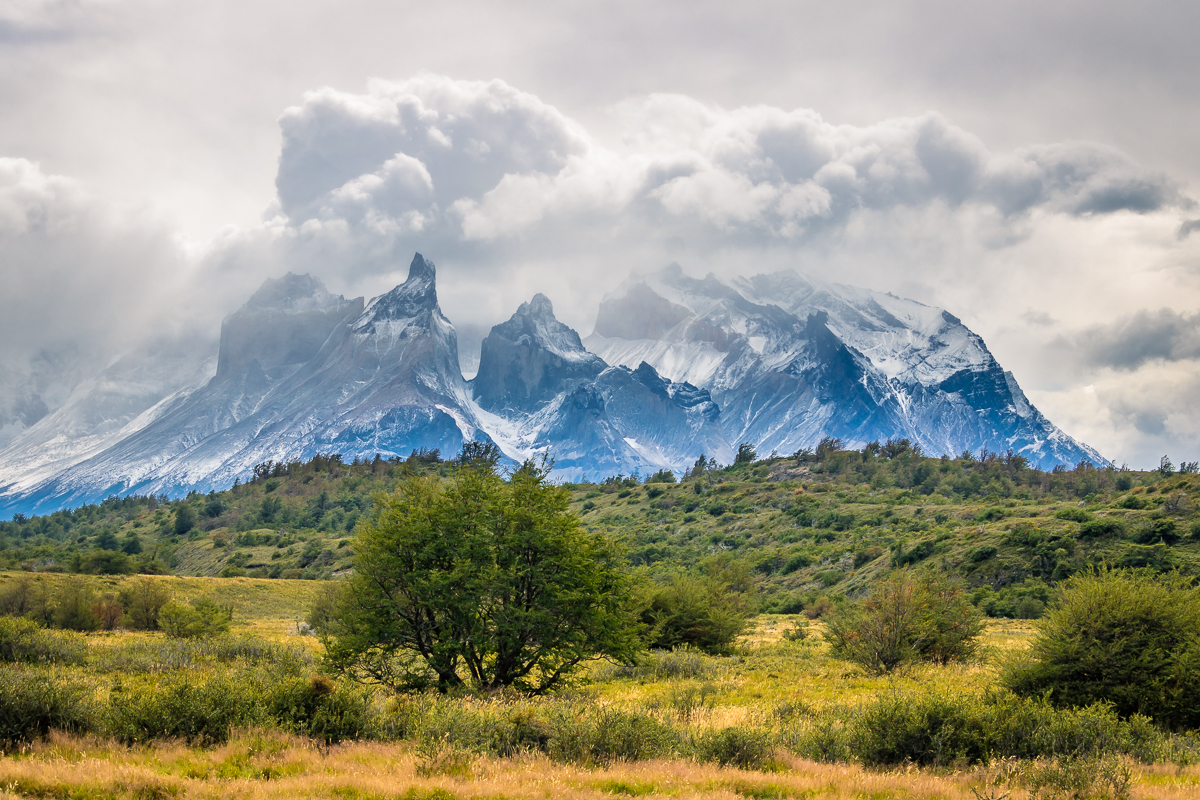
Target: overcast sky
(1029, 166)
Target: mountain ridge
(676, 367)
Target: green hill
(797, 531)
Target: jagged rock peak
(292, 292)
(414, 297)
(536, 322)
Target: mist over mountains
(676, 367)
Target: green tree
(700, 612)
(75, 609)
(185, 518)
(481, 581)
(132, 544)
(142, 599)
(1121, 637)
(202, 619)
(745, 453)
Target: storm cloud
(1135, 340)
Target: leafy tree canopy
(481, 581)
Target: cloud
(79, 277)
(1140, 338)
(460, 161)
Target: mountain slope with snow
(791, 359)
(676, 367)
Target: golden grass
(271, 765)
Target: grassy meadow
(253, 712)
(779, 718)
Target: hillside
(792, 530)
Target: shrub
(34, 702)
(320, 708)
(143, 599)
(1100, 527)
(202, 619)
(701, 613)
(906, 618)
(736, 747)
(26, 597)
(183, 708)
(76, 606)
(1120, 637)
(23, 640)
(608, 735)
(935, 729)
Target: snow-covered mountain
(676, 367)
(790, 359)
(538, 390)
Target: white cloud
(491, 162)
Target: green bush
(906, 618)
(184, 708)
(23, 640)
(1119, 637)
(1100, 527)
(701, 613)
(33, 702)
(142, 599)
(203, 618)
(320, 708)
(608, 735)
(736, 747)
(76, 606)
(934, 729)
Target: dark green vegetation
(906, 618)
(796, 531)
(479, 581)
(1121, 638)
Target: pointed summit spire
(421, 269)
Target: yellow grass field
(768, 677)
(256, 765)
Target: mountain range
(676, 367)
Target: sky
(1029, 166)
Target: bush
(1119, 637)
(906, 618)
(736, 747)
(320, 708)
(27, 598)
(934, 729)
(33, 702)
(701, 613)
(204, 618)
(182, 708)
(76, 606)
(1100, 527)
(608, 735)
(23, 640)
(142, 599)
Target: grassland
(774, 686)
(779, 718)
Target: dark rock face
(529, 359)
